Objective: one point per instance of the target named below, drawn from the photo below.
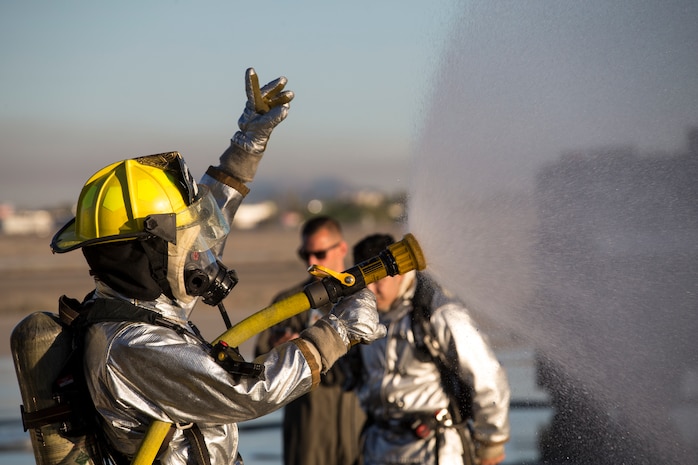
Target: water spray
(398, 258)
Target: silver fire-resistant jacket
(138, 372)
(399, 385)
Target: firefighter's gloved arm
(354, 319)
(266, 107)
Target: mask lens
(204, 214)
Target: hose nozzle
(399, 258)
(407, 254)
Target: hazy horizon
(86, 84)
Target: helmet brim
(66, 239)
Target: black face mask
(125, 267)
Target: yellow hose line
(152, 442)
(242, 331)
(265, 318)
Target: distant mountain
(289, 190)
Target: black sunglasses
(319, 254)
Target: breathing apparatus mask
(192, 268)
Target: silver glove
(264, 110)
(355, 318)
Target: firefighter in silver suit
(153, 238)
(403, 380)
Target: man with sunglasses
(322, 427)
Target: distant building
(249, 216)
(36, 222)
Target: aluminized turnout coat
(399, 386)
(138, 372)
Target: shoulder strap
(79, 316)
(426, 342)
(76, 314)
(421, 314)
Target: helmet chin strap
(177, 259)
(156, 250)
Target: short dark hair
(370, 246)
(317, 223)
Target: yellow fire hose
(399, 258)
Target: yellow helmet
(128, 200)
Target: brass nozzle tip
(408, 254)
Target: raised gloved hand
(266, 107)
(353, 319)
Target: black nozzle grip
(330, 290)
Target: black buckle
(231, 360)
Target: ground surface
(32, 278)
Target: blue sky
(87, 83)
